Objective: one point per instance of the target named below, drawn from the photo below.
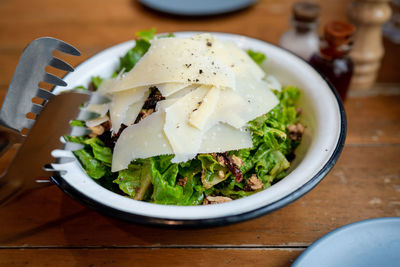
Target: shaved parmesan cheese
(96, 121)
(167, 89)
(184, 139)
(273, 83)
(121, 102)
(206, 37)
(251, 98)
(133, 112)
(107, 84)
(229, 109)
(259, 99)
(222, 137)
(147, 139)
(231, 55)
(184, 91)
(212, 90)
(206, 108)
(100, 109)
(240, 62)
(142, 140)
(162, 105)
(176, 60)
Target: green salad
(208, 178)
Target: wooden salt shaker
(368, 17)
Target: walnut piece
(296, 131)
(234, 169)
(182, 181)
(106, 125)
(253, 183)
(146, 112)
(221, 160)
(215, 200)
(238, 161)
(96, 130)
(221, 174)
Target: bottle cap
(339, 32)
(305, 11)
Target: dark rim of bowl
(225, 220)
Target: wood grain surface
(140, 257)
(47, 227)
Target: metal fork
(25, 86)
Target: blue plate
(374, 242)
(196, 7)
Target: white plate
(196, 7)
(369, 243)
(323, 115)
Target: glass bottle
(302, 38)
(333, 59)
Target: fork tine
(80, 131)
(70, 146)
(36, 108)
(54, 168)
(53, 79)
(86, 115)
(60, 64)
(99, 99)
(64, 160)
(59, 153)
(44, 94)
(28, 123)
(67, 48)
(48, 168)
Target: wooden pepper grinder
(368, 17)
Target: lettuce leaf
(93, 167)
(96, 81)
(229, 188)
(81, 88)
(258, 57)
(146, 35)
(212, 171)
(77, 123)
(163, 175)
(129, 60)
(100, 150)
(95, 157)
(136, 180)
(166, 191)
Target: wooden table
(46, 227)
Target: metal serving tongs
(24, 87)
(45, 131)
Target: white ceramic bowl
(323, 115)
